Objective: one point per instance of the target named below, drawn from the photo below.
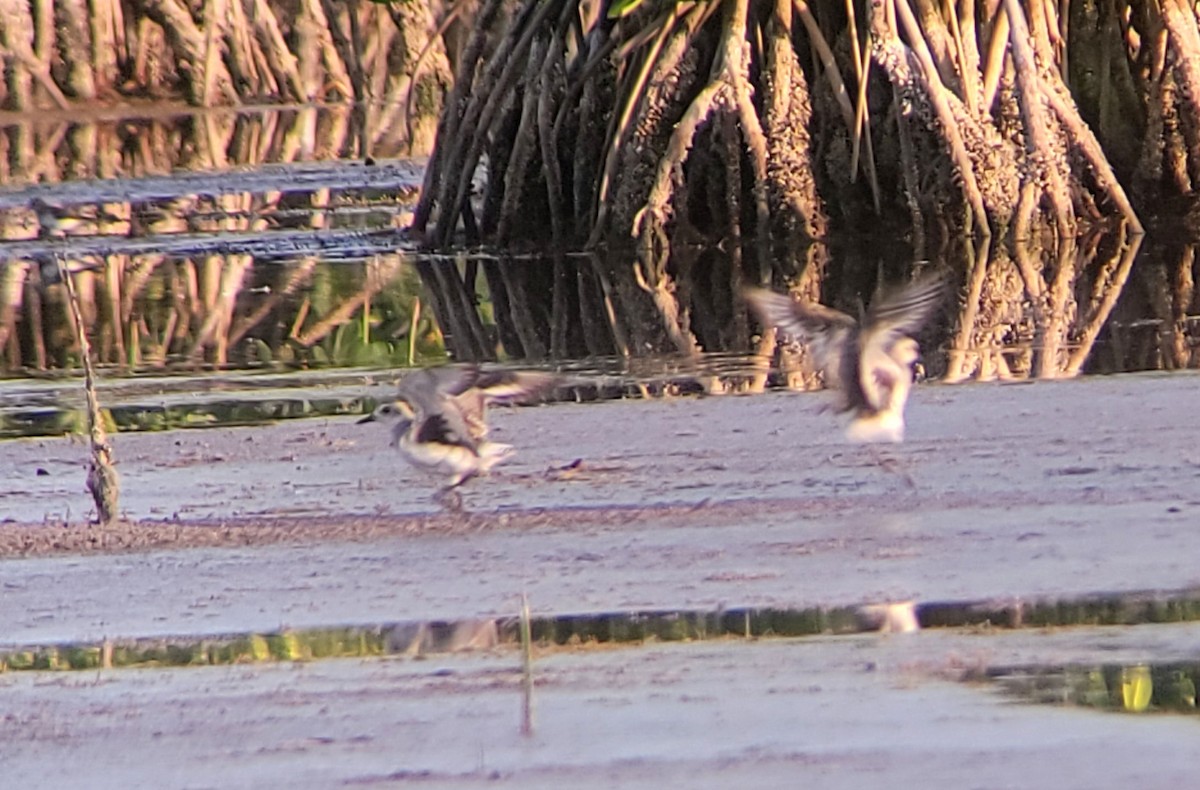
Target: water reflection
(414, 638)
(124, 141)
(1154, 326)
(208, 271)
(1136, 688)
(258, 275)
(304, 268)
(1133, 687)
(1031, 311)
(220, 311)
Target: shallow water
(257, 291)
(270, 328)
(1095, 686)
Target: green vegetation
(616, 627)
(1134, 688)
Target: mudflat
(1001, 491)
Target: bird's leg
(449, 498)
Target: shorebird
(439, 419)
(871, 362)
(57, 221)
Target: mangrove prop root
(581, 129)
(1043, 163)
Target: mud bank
(1013, 492)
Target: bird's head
(906, 352)
(390, 412)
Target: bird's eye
(387, 410)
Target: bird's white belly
(448, 459)
(881, 426)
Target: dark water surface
(268, 290)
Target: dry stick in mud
(102, 478)
(526, 668)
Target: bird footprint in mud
(895, 467)
(875, 457)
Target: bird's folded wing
(443, 428)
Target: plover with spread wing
(872, 362)
(438, 419)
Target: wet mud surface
(841, 712)
(1046, 490)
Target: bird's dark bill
(368, 418)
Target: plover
(871, 362)
(439, 418)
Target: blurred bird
(871, 362)
(49, 266)
(57, 221)
(174, 215)
(439, 418)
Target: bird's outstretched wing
(901, 312)
(426, 387)
(826, 331)
(887, 350)
(500, 386)
(505, 386)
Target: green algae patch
(414, 638)
(1124, 688)
(419, 638)
(1107, 609)
(675, 626)
(305, 645)
(205, 414)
